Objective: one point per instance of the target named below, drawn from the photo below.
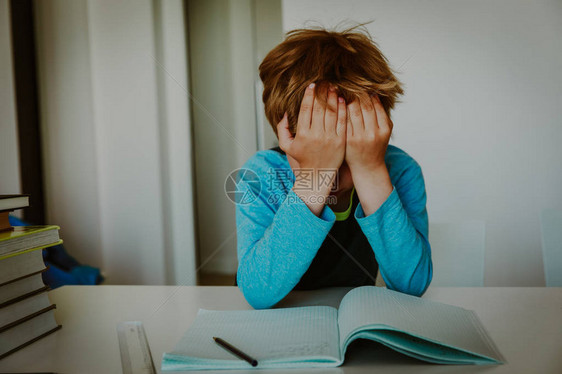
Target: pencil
(235, 351)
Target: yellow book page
(31, 249)
(20, 231)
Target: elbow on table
(422, 278)
(414, 290)
(256, 297)
(418, 290)
(258, 300)
(258, 303)
(417, 285)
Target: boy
(334, 203)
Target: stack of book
(26, 313)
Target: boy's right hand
(319, 143)
(321, 133)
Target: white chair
(551, 240)
(457, 251)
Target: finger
(349, 125)
(341, 127)
(383, 121)
(318, 112)
(369, 114)
(284, 134)
(356, 116)
(305, 114)
(331, 116)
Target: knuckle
(356, 112)
(368, 107)
(317, 136)
(305, 107)
(304, 135)
(385, 132)
(318, 109)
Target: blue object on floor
(62, 268)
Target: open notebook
(318, 336)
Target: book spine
(30, 342)
(25, 276)
(27, 318)
(25, 296)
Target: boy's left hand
(368, 133)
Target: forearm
(313, 195)
(272, 264)
(402, 252)
(373, 186)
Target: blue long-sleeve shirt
(279, 237)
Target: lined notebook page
(277, 335)
(447, 324)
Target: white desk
(525, 323)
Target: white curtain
(116, 129)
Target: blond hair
(351, 61)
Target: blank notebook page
(449, 325)
(290, 334)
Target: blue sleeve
(278, 237)
(398, 234)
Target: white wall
(481, 113)
(116, 132)
(9, 158)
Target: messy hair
(349, 60)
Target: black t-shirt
(345, 258)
